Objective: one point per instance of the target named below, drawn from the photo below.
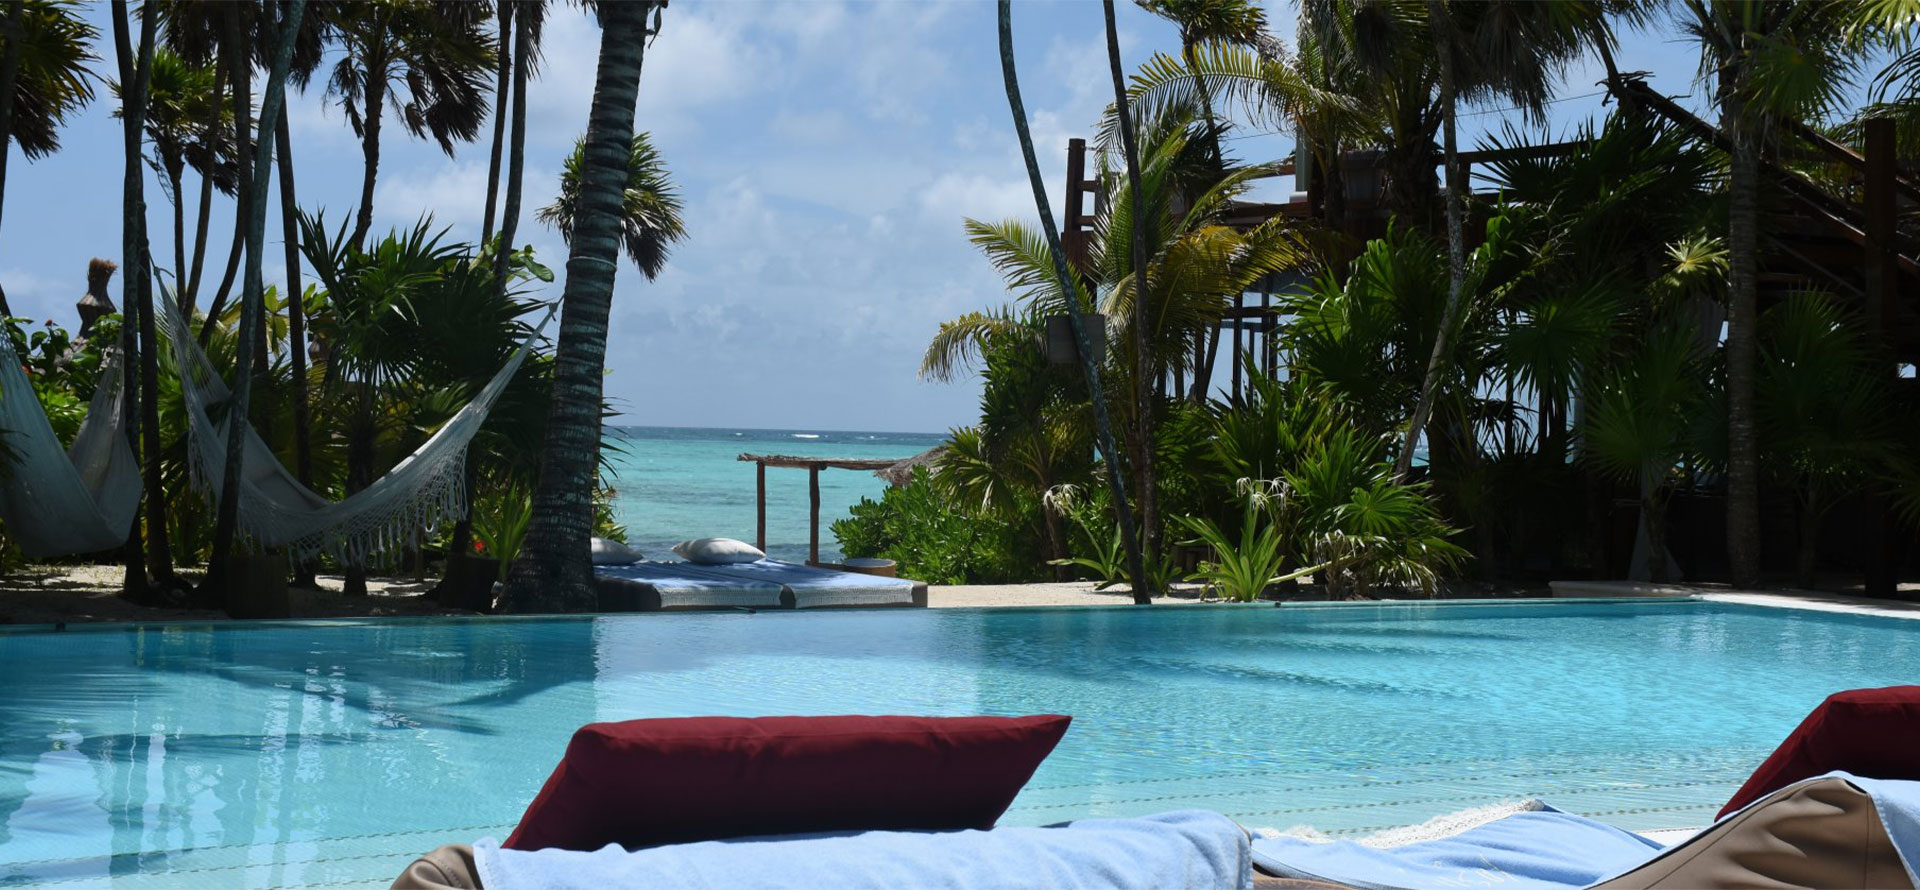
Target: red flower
(479, 546)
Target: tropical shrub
(930, 540)
(1243, 569)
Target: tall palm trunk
(252, 297)
(1440, 26)
(176, 178)
(517, 165)
(1743, 463)
(1142, 434)
(1103, 426)
(510, 223)
(296, 310)
(134, 71)
(553, 571)
(376, 98)
(240, 63)
(503, 88)
(9, 73)
(361, 430)
(296, 321)
(204, 216)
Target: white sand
(1070, 593)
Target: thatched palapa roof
(901, 472)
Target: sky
(827, 152)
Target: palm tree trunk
(296, 323)
(191, 290)
(553, 571)
(1142, 389)
(1438, 24)
(370, 146)
(134, 71)
(517, 165)
(176, 176)
(9, 73)
(241, 62)
(1123, 515)
(253, 295)
(503, 87)
(1807, 560)
(360, 433)
(1743, 465)
(510, 223)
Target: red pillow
(1874, 733)
(647, 782)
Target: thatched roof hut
(901, 472)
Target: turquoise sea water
(675, 483)
(308, 754)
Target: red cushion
(646, 782)
(1874, 733)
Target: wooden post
(1269, 353)
(1238, 354)
(1883, 291)
(760, 504)
(813, 500)
(1073, 241)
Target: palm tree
(253, 297)
(650, 208)
(427, 58)
(137, 285)
(1510, 51)
(1217, 24)
(1065, 280)
(1821, 411)
(1141, 429)
(43, 79)
(179, 94)
(1769, 60)
(1642, 420)
(553, 572)
(517, 62)
(526, 41)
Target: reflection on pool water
(330, 754)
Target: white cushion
(607, 552)
(717, 551)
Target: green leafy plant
(1243, 569)
(500, 522)
(930, 539)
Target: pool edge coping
(162, 624)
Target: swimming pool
(304, 754)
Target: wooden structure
(813, 466)
(1846, 240)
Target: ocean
(675, 483)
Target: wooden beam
(813, 501)
(802, 462)
(760, 504)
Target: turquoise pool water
(330, 754)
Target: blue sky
(827, 152)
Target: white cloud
(955, 196)
(818, 127)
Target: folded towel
(1189, 849)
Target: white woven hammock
(58, 501)
(276, 511)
